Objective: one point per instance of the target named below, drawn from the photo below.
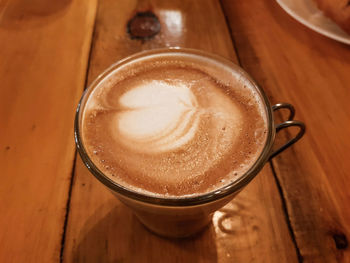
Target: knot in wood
(340, 241)
(144, 25)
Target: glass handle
(288, 123)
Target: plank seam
(231, 34)
(63, 240)
(90, 51)
(285, 212)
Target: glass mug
(185, 216)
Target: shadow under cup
(187, 215)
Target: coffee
(174, 124)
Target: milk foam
(173, 128)
(157, 117)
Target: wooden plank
(44, 48)
(251, 228)
(178, 28)
(101, 229)
(297, 65)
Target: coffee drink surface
(174, 125)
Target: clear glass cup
(185, 216)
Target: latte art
(157, 117)
(173, 126)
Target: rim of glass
(185, 200)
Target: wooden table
(52, 210)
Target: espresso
(174, 125)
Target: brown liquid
(174, 125)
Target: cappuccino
(174, 125)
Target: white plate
(307, 13)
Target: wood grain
(297, 65)
(251, 228)
(44, 47)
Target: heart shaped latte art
(157, 117)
